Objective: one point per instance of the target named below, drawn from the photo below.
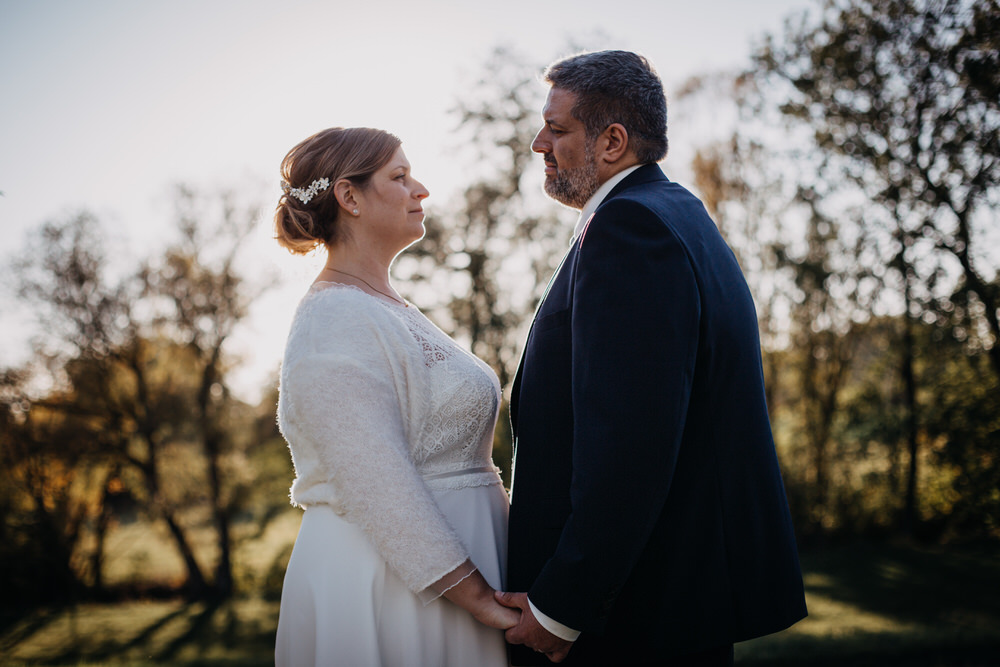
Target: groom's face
(570, 167)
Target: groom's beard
(574, 186)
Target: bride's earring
(355, 211)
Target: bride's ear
(345, 191)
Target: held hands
(496, 615)
(476, 596)
(530, 632)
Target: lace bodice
(457, 431)
(378, 407)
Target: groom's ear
(612, 145)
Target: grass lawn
(891, 605)
(869, 605)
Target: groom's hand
(530, 632)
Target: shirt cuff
(555, 627)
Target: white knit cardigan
(379, 406)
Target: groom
(648, 522)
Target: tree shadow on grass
(199, 630)
(16, 629)
(891, 605)
(110, 648)
(833, 653)
(217, 627)
(930, 586)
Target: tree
(961, 416)
(908, 93)
(902, 98)
(208, 299)
(144, 360)
(50, 463)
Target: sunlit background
(854, 170)
(107, 104)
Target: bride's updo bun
(307, 212)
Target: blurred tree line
(125, 410)
(858, 189)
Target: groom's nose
(541, 143)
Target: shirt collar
(598, 197)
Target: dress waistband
(459, 473)
(464, 478)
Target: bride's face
(390, 206)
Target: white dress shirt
(596, 199)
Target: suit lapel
(644, 174)
(516, 385)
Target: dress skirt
(342, 605)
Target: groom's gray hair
(616, 87)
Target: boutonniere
(586, 226)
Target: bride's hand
(473, 594)
(497, 616)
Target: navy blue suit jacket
(647, 508)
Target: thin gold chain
(405, 305)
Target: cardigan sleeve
(343, 409)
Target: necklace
(397, 300)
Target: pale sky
(105, 104)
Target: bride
(390, 427)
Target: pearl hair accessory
(305, 195)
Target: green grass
(239, 632)
(868, 604)
(891, 605)
(143, 552)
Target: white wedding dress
(390, 425)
